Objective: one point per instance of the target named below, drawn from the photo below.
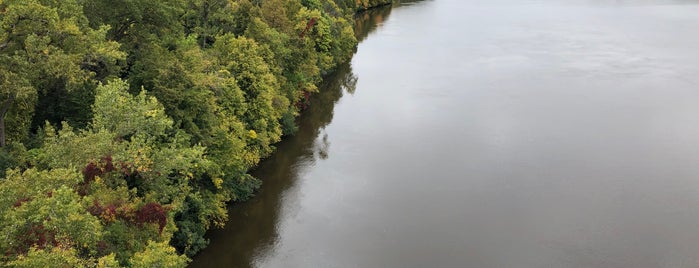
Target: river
(490, 133)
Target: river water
(491, 133)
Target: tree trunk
(3, 111)
(2, 131)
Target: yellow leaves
(108, 216)
(108, 261)
(141, 161)
(221, 215)
(158, 255)
(218, 182)
(122, 99)
(151, 113)
(69, 27)
(75, 217)
(53, 257)
(250, 158)
(252, 134)
(118, 111)
(224, 73)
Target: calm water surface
(481, 133)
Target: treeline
(127, 125)
(362, 5)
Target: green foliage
(108, 261)
(112, 202)
(191, 225)
(136, 21)
(243, 58)
(45, 216)
(367, 4)
(54, 257)
(46, 47)
(126, 126)
(311, 4)
(158, 255)
(116, 111)
(13, 155)
(289, 126)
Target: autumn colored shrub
(152, 213)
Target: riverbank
(150, 126)
(252, 224)
(491, 134)
(365, 5)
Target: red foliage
(108, 213)
(91, 171)
(125, 213)
(94, 169)
(152, 213)
(125, 168)
(305, 102)
(309, 25)
(105, 165)
(102, 247)
(21, 201)
(108, 165)
(37, 236)
(96, 209)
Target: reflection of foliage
(367, 21)
(320, 113)
(284, 166)
(349, 82)
(300, 149)
(324, 147)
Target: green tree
(243, 58)
(45, 46)
(37, 211)
(116, 111)
(160, 255)
(54, 257)
(137, 172)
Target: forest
(127, 126)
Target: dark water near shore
(481, 133)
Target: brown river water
(490, 133)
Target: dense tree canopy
(126, 126)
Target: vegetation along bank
(126, 126)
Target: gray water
(480, 133)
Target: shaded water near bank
(506, 133)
